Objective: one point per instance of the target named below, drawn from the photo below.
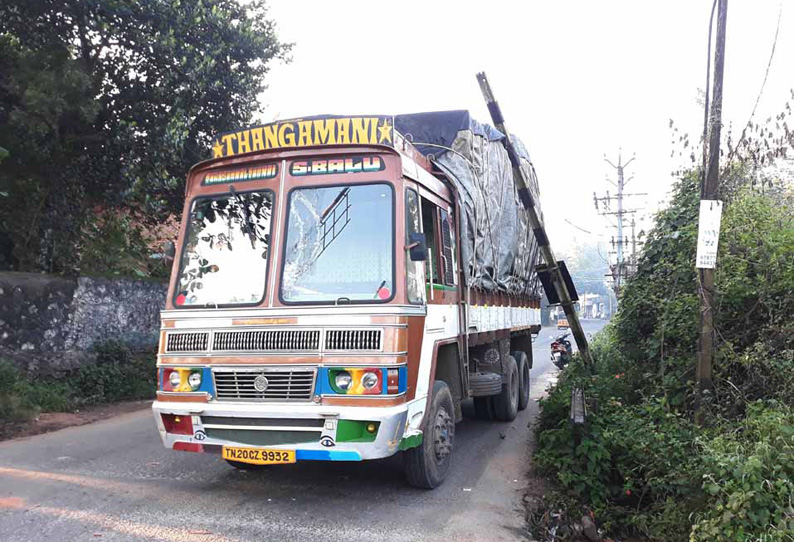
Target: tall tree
(110, 102)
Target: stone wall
(49, 323)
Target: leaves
(109, 102)
(640, 463)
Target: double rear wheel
(514, 395)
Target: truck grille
(275, 340)
(187, 342)
(353, 339)
(282, 384)
(267, 341)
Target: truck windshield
(339, 245)
(226, 249)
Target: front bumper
(315, 425)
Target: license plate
(258, 456)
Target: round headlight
(343, 380)
(369, 380)
(194, 380)
(174, 379)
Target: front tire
(426, 466)
(506, 403)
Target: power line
(735, 148)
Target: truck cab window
(414, 281)
(447, 252)
(430, 225)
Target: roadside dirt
(53, 421)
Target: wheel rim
(443, 434)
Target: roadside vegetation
(117, 375)
(104, 106)
(641, 465)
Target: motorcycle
(561, 351)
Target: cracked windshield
(225, 257)
(339, 245)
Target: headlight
(359, 380)
(369, 380)
(343, 380)
(174, 379)
(194, 380)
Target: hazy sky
(575, 79)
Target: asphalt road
(113, 480)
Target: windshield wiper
(247, 217)
(382, 284)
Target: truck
(341, 285)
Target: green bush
(14, 406)
(640, 464)
(117, 375)
(645, 469)
(633, 465)
(749, 478)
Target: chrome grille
(267, 341)
(353, 339)
(187, 342)
(282, 384)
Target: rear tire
(506, 403)
(523, 379)
(426, 466)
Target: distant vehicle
(328, 303)
(561, 351)
(562, 323)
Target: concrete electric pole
(621, 242)
(538, 229)
(709, 188)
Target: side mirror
(169, 250)
(417, 250)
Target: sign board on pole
(708, 233)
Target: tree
(109, 102)
(588, 267)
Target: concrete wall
(49, 323)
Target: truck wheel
(506, 403)
(483, 408)
(523, 379)
(427, 465)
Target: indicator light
(177, 425)
(392, 381)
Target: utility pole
(621, 243)
(535, 222)
(709, 192)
